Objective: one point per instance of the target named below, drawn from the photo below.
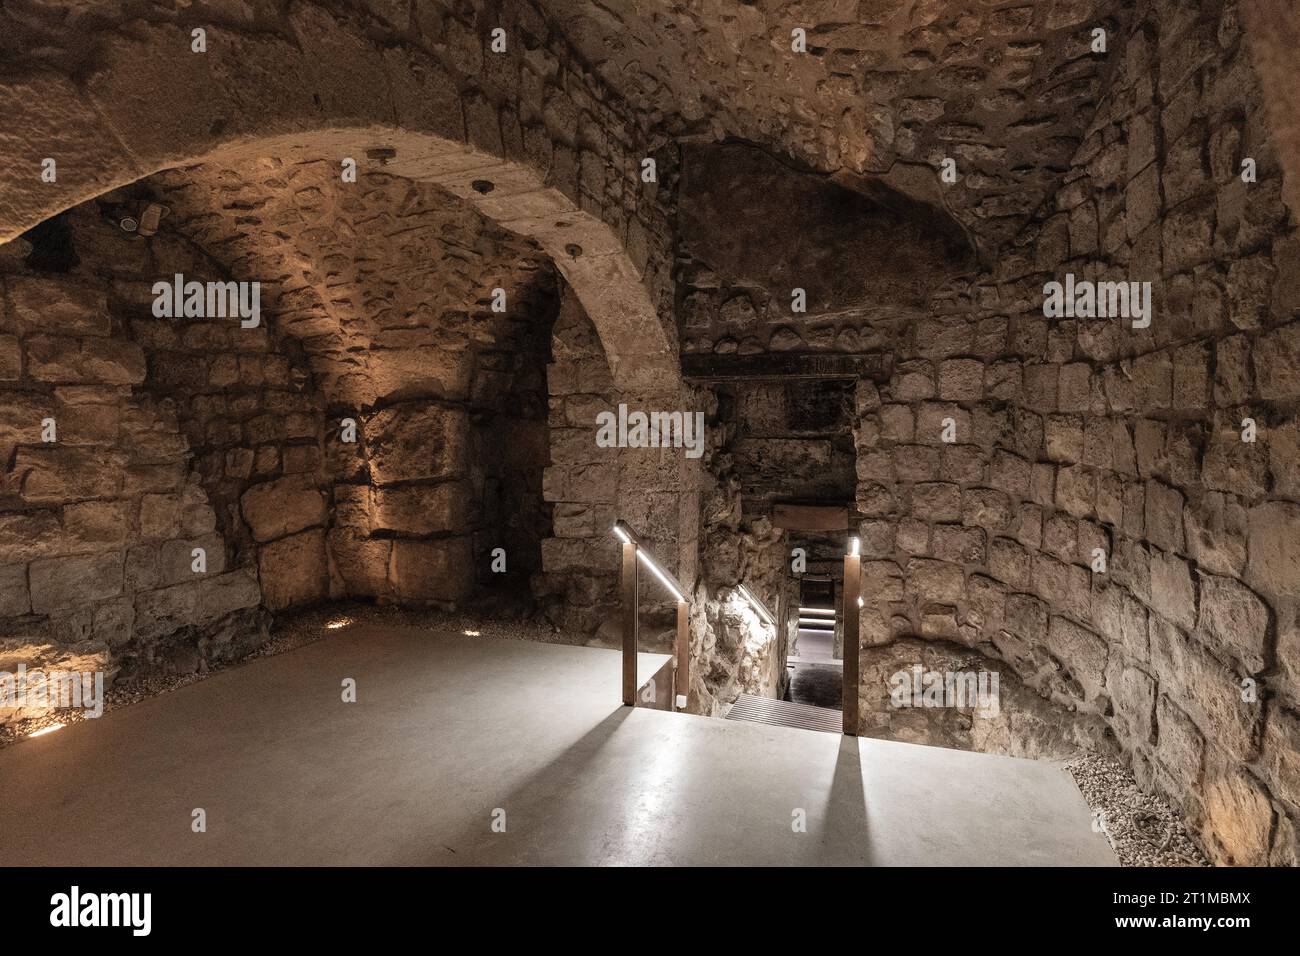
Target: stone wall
(590, 487)
(903, 700)
(527, 134)
(865, 265)
(882, 91)
(167, 435)
(733, 650)
(432, 344)
(1077, 437)
(433, 341)
(100, 522)
(529, 138)
(688, 511)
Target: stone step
(783, 713)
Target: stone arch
(527, 139)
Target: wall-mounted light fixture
(855, 546)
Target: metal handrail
(636, 553)
(627, 533)
(767, 616)
(850, 615)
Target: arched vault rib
(150, 104)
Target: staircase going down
(783, 713)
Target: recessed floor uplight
(46, 730)
(341, 622)
(473, 633)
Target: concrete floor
(816, 647)
(448, 728)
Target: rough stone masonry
(830, 227)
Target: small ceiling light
(336, 624)
(482, 186)
(573, 249)
(150, 218)
(46, 730)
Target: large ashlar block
(1274, 565)
(1134, 695)
(41, 657)
(1082, 652)
(1238, 817)
(58, 474)
(198, 602)
(59, 306)
(1205, 690)
(410, 442)
(60, 583)
(30, 534)
(14, 596)
(52, 119)
(97, 525)
(1173, 593)
(278, 508)
(1233, 620)
(424, 509)
(61, 359)
(427, 370)
(1180, 749)
(358, 564)
(294, 570)
(439, 570)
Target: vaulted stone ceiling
(887, 89)
(388, 283)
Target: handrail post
(630, 623)
(852, 595)
(682, 674)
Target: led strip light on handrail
(625, 534)
(757, 605)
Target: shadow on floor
(537, 804)
(821, 685)
(846, 807)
